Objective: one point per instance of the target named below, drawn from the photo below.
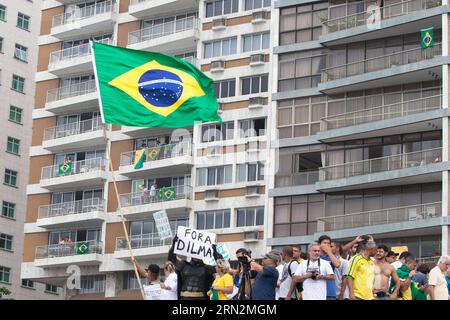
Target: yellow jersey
(224, 281)
(362, 271)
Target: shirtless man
(383, 272)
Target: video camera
(242, 259)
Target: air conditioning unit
(212, 195)
(251, 236)
(252, 191)
(259, 16)
(255, 102)
(257, 59)
(219, 24)
(217, 66)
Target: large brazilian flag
(148, 89)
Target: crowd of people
(358, 270)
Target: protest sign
(162, 225)
(194, 243)
(223, 250)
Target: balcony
(409, 215)
(144, 246)
(82, 213)
(296, 179)
(78, 135)
(407, 66)
(408, 168)
(84, 173)
(192, 60)
(91, 19)
(139, 204)
(76, 97)
(73, 60)
(166, 160)
(180, 35)
(151, 8)
(60, 255)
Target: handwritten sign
(162, 225)
(223, 250)
(153, 292)
(194, 243)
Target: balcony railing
(383, 112)
(361, 18)
(146, 196)
(296, 179)
(67, 250)
(73, 90)
(133, 2)
(390, 163)
(192, 60)
(86, 12)
(69, 208)
(71, 129)
(428, 260)
(78, 167)
(162, 30)
(380, 63)
(148, 240)
(159, 153)
(379, 217)
(79, 51)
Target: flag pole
(122, 217)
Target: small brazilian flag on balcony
(427, 38)
(65, 167)
(148, 89)
(166, 194)
(83, 248)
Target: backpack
(298, 285)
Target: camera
(314, 273)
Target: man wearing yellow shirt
(361, 272)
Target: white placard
(194, 243)
(162, 225)
(153, 292)
(223, 250)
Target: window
(2, 13)
(214, 175)
(13, 145)
(217, 219)
(92, 284)
(8, 209)
(15, 114)
(129, 281)
(248, 217)
(10, 178)
(6, 241)
(18, 83)
(254, 84)
(29, 284)
(217, 131)
(252, 127)
(21, 52)
(51, 289)
(23, 21)
(1, 45)
(257, 41)
(220, 7)
(249, 172)
(225, 88)
(256, 4)
(223, 47)
(5, 274)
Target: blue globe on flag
(160, 88)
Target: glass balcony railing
(160, 195)
(380, 63)
(78, 167)
(162, 152)
(354, 14)
(68, 249)
(379, 217)
(163, 29)
(192, 60)
(69, 208)
(85, 12)
(390, 163)
(79, 51)
(296, 179)
(383, 112)
(149, 240)
(75, 128)
(74, 90)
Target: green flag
(149, 89)
(65, 168)
(153, 153)
(83, 248)
(427, 38)
(166, 194)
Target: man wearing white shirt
(314, 273)
(286, 274)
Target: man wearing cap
(152, 273)
(391, 257)
(383, 272)
(267, 276)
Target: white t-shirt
(285, 279)
(340, 273)
(314, 289)
(397, 264)
(437, 279)
(172, 282)
(280, 271)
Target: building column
(445, 132)
(113, 284)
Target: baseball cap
(153, 268)
(392, 254)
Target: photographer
(266, 276)
(314, 273)
(242, 274)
